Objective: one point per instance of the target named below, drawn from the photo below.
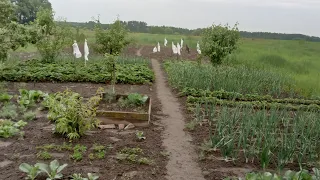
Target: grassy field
(297, 59)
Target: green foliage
(28, 98)
(111, 68)
(238, 79)
(78, 151)
(26, 11)
(9, 128)
(267, 137)
(79, 177)
(5, 97)
(63, 147)
(31, 171)
(51, 36)
(140, 135)
(75, 120)
(9, 111)
(219, 41)
(100, 151)
(29, 116)
(36, 71)
(133, 100)
(53, 170)
(44, 155)
(111, 41)
(289, 175)
(132, 155)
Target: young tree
(51, 36)
(111, 42)
(218, 41)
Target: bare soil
(39, 133)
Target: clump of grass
(133, 155)
(44, 155)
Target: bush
(51, 36)
(72, 117)
(219, 41)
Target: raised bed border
(131, 117)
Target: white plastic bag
(174, 48)
(86, 51)
(165, 42)
(178, 49)
(155, 50)
(181, 43)
(76, 51)
(158, 47)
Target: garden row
(234, 96)
(238, 79)
(270, 138)
(252, 104)
(128, 71)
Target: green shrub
(75, 120)
(219, 41)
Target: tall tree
(26, 10)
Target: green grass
(234, 79)
(298, 59)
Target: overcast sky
(286, 16)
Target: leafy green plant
(5, 97)
(79, 177)
(219, 41)
(28, 116)
(78, 151)
(75, 120)
(134, 99)
(100, 151)
(9, 111)
(53, 170)
(9, 128)
(31, 171)
(45, 155)
(29, 98)
(140, 135)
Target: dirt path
(182, 164)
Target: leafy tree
(51, 36)
(26, 10)
(219, 41)
(113, 40)
(12, 34)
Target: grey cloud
(288, 16)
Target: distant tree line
(142, 27)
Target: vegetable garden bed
(114, 112)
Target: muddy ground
(15, 151)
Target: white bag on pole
(165, 42)
(155, 50)
(178, 49)
(86, 51)
(174, 48)
(158, 47)
(76, 51)
(181, 43)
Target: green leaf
(61, 168)
(44, 168)
(24, 167)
